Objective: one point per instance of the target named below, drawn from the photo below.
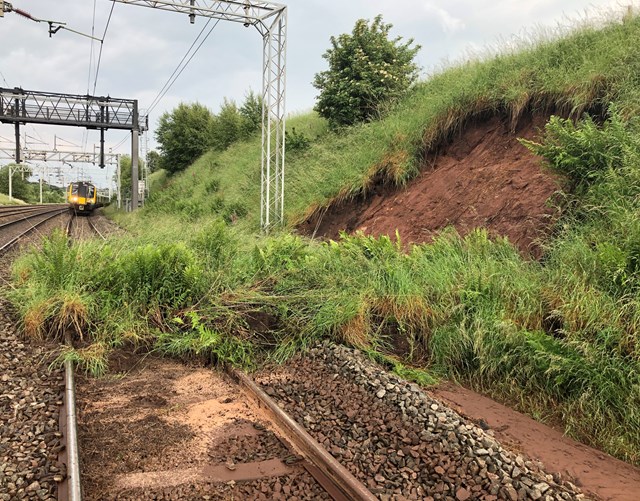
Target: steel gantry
(19, 106)
(64, 157)
(270, 19)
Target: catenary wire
(172, 79)
(106, 28)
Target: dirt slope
(483, 178)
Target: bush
(183, 135)
(366, 69)
(296, 141)
(584, 151)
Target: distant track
(30, 219)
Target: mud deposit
(157, 429)
(483, 178)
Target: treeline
(27, 191)
(192, 129)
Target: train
(82, 197)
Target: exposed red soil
(483, 178)
(593, 471)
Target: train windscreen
(82, 190)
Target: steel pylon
(270, 19)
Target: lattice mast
(270, 19)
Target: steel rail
(330, 470)
(74, 487)
(27, 216)
(5, 247)
(7, 208)
(70, 225)
(30, 210)
(95, 230)
(71, 488)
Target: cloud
(449, 23)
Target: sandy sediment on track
(157, 429)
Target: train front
(82, 197)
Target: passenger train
(82, 197)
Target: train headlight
(74, 199)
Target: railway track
(296, 455)
(324, 429)
(82, 227)
(18, 223)
(164, 430)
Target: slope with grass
(557, 337)
(584, 71)
(5, 200)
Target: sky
(143, 46)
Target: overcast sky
(143, 46)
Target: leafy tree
(251, 111)
(125, 174)
(366, 69)
(184, 135)
(153, 161)
(226, 125)
(20, 186)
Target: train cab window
(90, 191)
(74, 189)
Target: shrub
(296, 141)
(584, 151)
(183, 135)
(366, 69)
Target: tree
(251, 111)
(153, 161)
(226, 125)
(20, 186)
(366, 69)
(125, 174)
(184, 135)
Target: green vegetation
(25, 191)
(192, 129)
(183, 135)
(366, 71)
(5, 200)
(558, 338)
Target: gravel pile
(399, 441)
(30, 398)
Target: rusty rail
(327, 470)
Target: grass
(558, 338)
(5, 200)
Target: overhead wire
(104, 35)
(178, 71)
(121, 142)
(85, 133)
(91, 51)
